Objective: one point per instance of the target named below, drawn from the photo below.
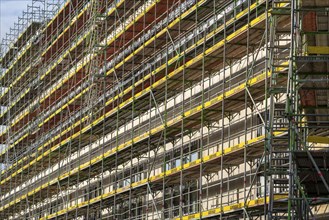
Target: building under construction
(166, 109)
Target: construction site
(166, 109)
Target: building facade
(166, 109)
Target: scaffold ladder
(96, 82)
(280, 156)
(96, 71)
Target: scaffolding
(166, 109)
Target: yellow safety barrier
(79, 67)
(167, 173)
(239, 15)
(139, 138)
(324, 50)
(18, 58)
(73, 20)
(47, 119)
(318, 139)
(59, 12)
(233, 207)
(172, 74)
(30, 45)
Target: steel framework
(166, 109)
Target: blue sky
(9, 12)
